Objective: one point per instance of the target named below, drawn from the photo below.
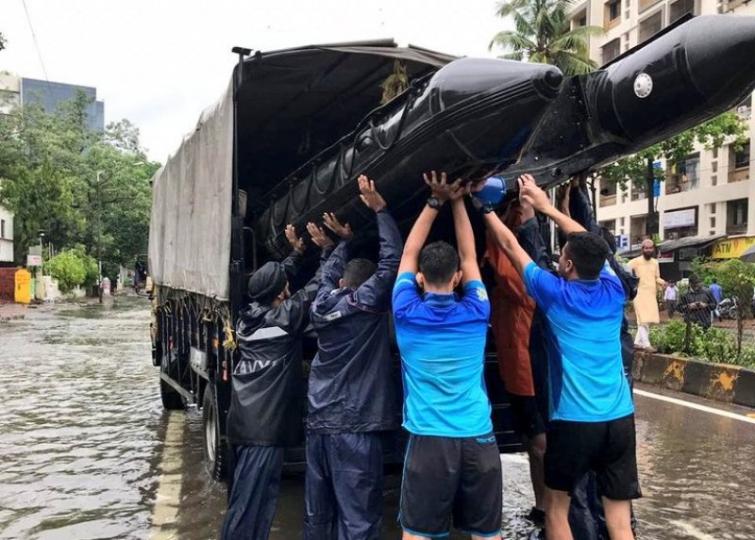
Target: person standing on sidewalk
(265, 415)
(353, 395)
(697, 303)
(671, 297)
(646, 269)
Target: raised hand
(440, 188)
(562, 198)
(294, 239)
(370, 195)
(343, 230)
(319, 238)
(531, 193)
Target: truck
(295, 127)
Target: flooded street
(87, 452)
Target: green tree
(639, 167)
(78, 186)
(542, 34)
(737, 278)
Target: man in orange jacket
(511, 320)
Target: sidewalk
(9, 312)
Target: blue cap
(492, 192)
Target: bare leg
(557, 515)
(536, 451)
(618, 519)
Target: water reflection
(81, 452)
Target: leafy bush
(713, 345)
(72, 268)
(669, 338)
(68, 268)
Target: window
(580, 19)
(611, 14)
(715, 153)
(712, 208)
(622, 222)
(744, 109)
(680, 8)
(686, 176)
(713, 180)
(2, 228)
(651, 26)
(607, 193)
(611, 50)
(714, 166)
(713, 222)
(639, 190)
(742, 157)
(736, 216)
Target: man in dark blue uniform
(268, 389)
(353, 396)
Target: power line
(36, 43)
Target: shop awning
(688, 242)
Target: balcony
(611, 14)
(733, 230)
(680, 8)
(644, 4)
(739, 175)
(607, 200)
(679, 183)
(650, 26)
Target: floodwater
(87, 452)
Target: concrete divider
(722, 382)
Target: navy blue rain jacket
(353, 385)
(267, 400)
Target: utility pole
(99, 237)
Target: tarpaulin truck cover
(190, 227)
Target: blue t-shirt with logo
(587, 382)
(441, 338)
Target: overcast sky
(160, 62)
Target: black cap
(267, 282)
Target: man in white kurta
(646, 269)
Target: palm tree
(543, 34)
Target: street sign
(33, 260)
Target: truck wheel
(214, 445)
(172, 400)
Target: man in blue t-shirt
(591, 409)
(452, 465)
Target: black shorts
(444, 476)
(526, 416)
(607, 448)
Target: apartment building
(15, 91)
(712, 194)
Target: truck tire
(215, 446)
(172, 400)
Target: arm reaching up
(531, 193)
(440, 193)
(507, 241)
(470, 270)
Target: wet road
(87, 452)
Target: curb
(720, 382)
